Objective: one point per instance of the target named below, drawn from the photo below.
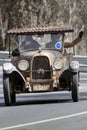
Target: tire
(75, 90)
(9, 94)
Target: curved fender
(8, 68)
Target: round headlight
(58, 64)
(23, 65)
(74, 65)
(8, 67)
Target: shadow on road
(44, 99)
(42, 102)
(38, 98)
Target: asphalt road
(45, 111)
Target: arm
(76, 41)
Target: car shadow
(39, 98)
(44, 99)
(42, 102)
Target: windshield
(44, 41)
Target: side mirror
(15, 52)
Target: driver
(54, 40)
(29, 42)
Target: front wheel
(75, 90)
(9, 94)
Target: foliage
(39, 13)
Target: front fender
(9, 68)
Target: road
(45, 111)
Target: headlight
(8, 67)
(58, 64)
(23, 65)
(74, 65)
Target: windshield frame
(44, 41)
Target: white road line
(44, 121)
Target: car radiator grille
(41, 68)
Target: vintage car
(40, 63)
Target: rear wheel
(9, 94)
(75, 90)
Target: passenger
(30, 43)
(54, 39)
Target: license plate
(40, 87)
